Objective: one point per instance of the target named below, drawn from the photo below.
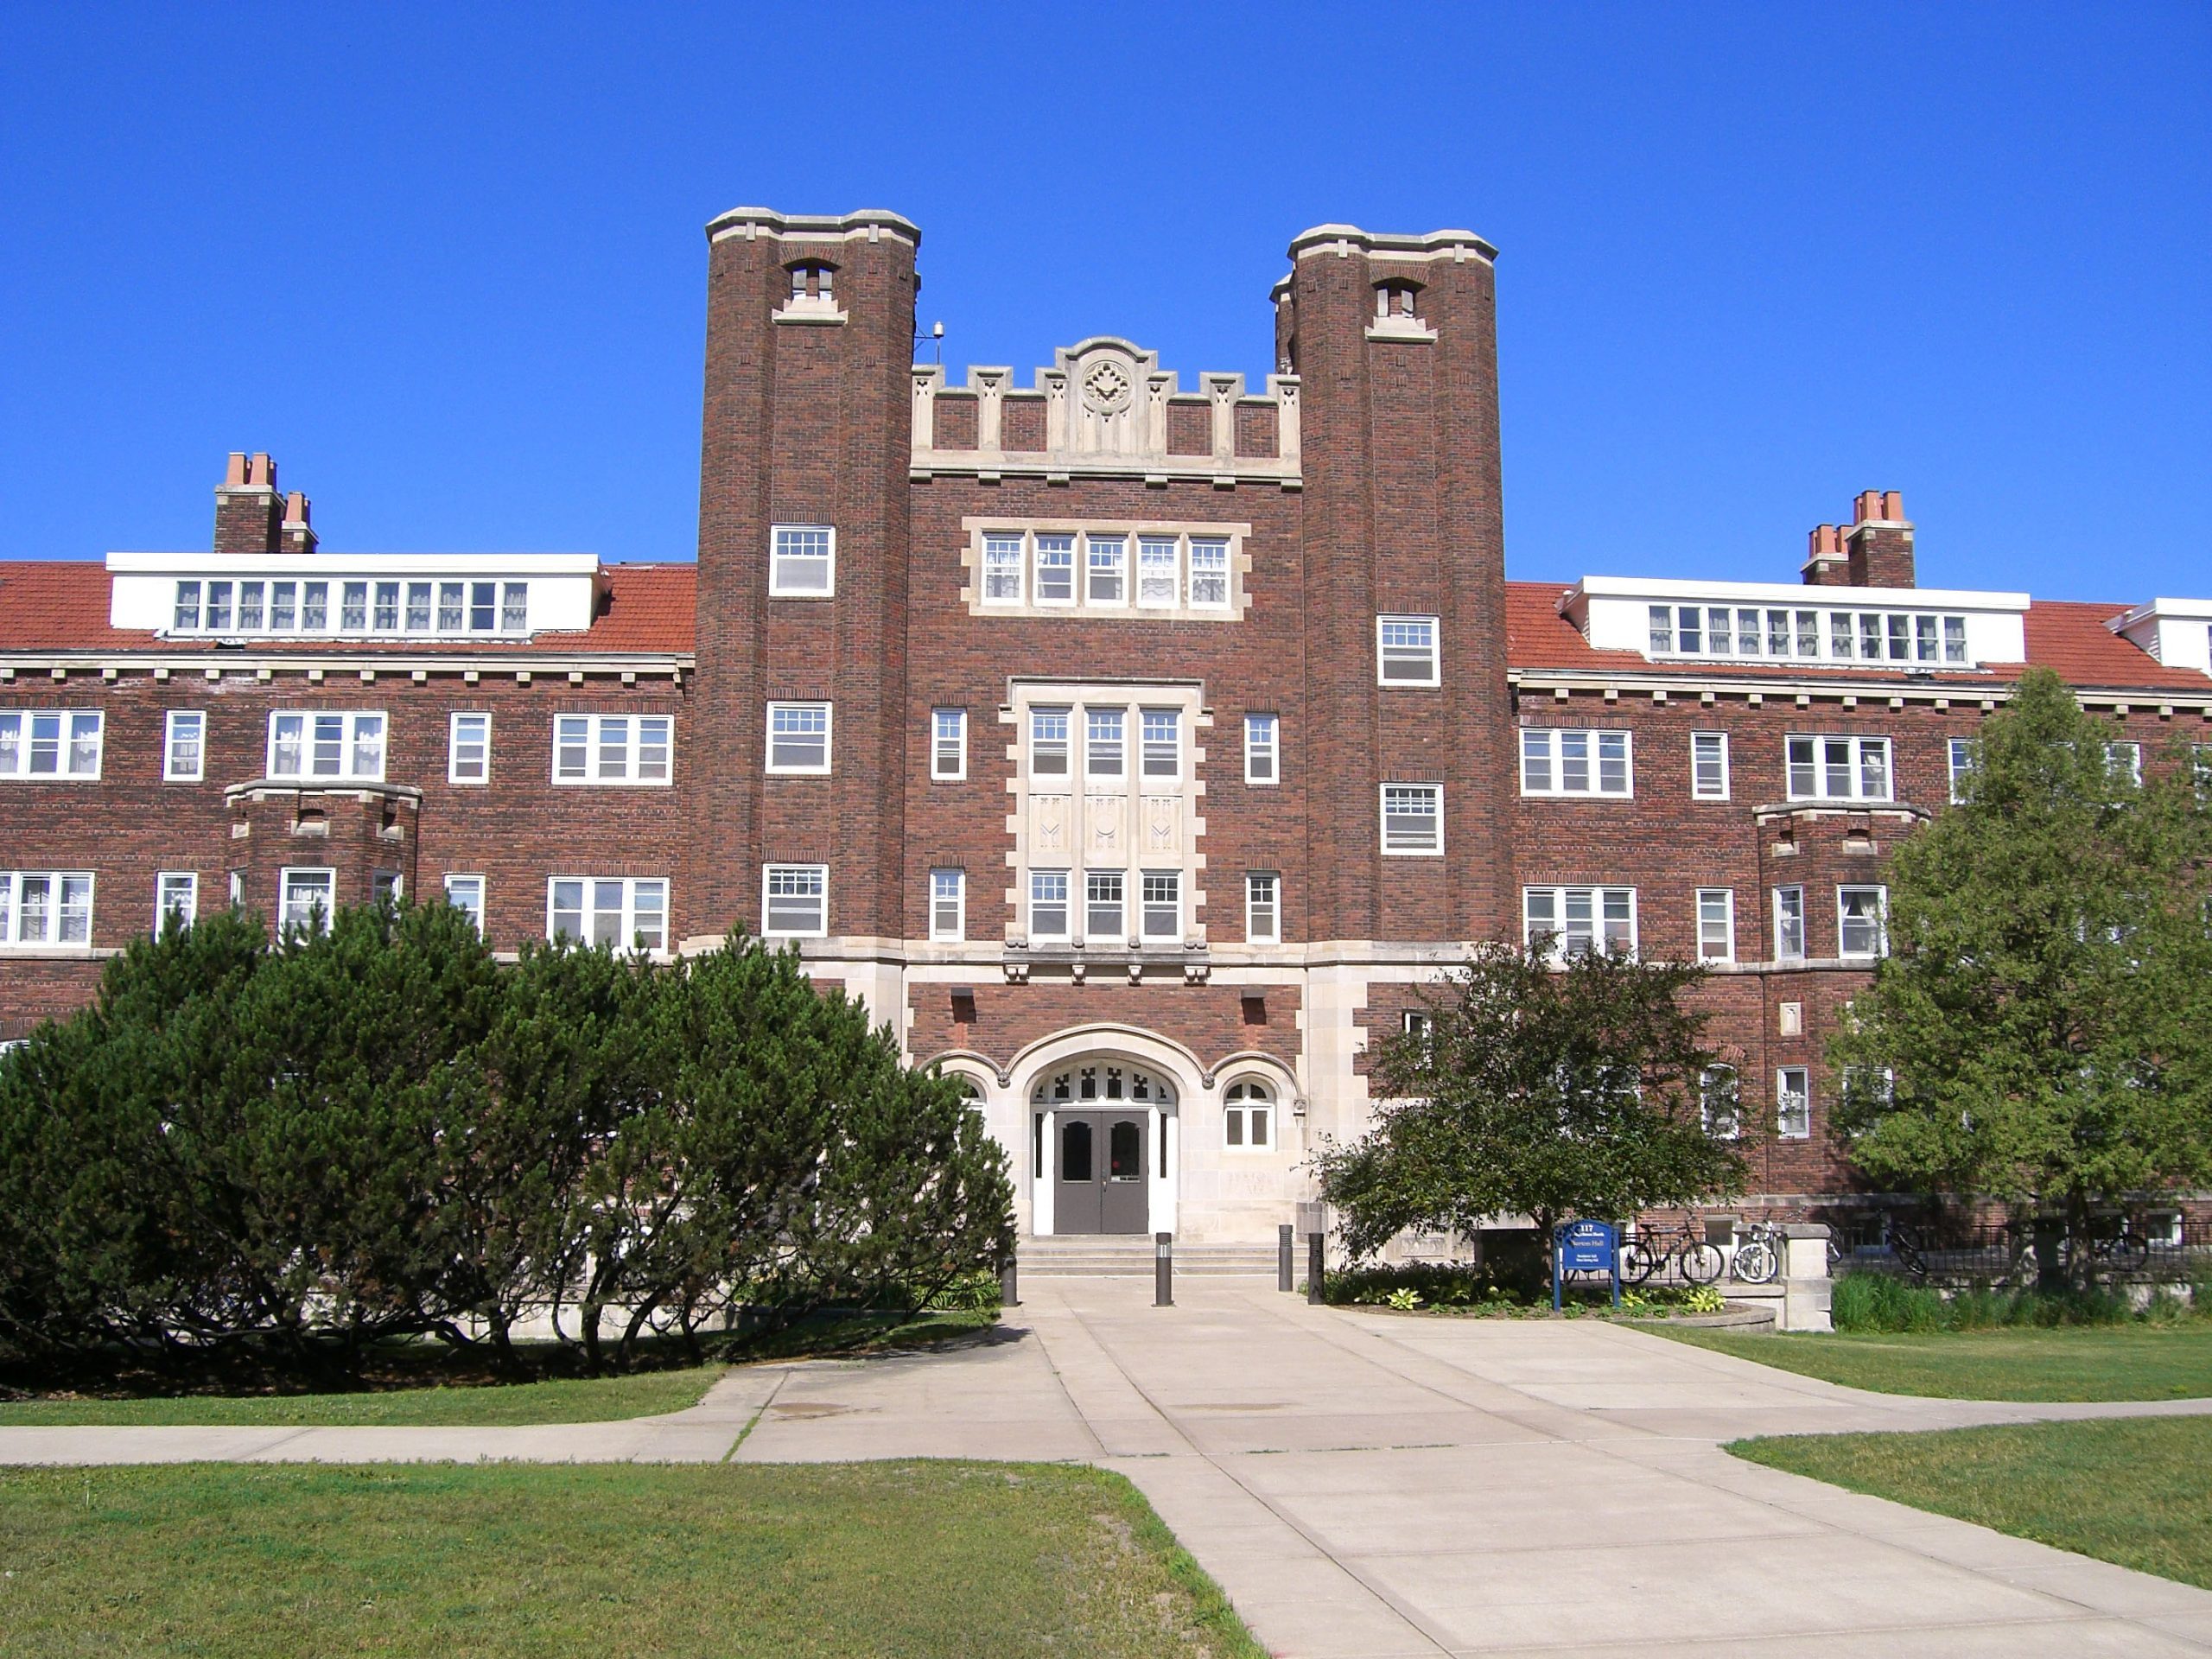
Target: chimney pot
(1868, 505)
(296, 508)
(1893, 504)
(234, 475)
(261, 470)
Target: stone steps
(1107, 1255)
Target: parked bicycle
(2112, 1245)
(1695, 1257)
(1758, 1253)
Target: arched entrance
(1102, 1147)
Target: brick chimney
(1873, 550)
(249, 513)
(294, 532)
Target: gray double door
(1099, 1169)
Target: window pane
(1002, 569)
(1101, 747)
(1048, 903)
(1102, 917)
(1108, 559)
(418, 607)
(1158, 578)
(1056, 569)
(1163, 910)
(1048, 742)
(568, 910)
(649, 916)
(514, 607)
(483, 606)
(1535, 763)
(1163, 748)
(249, 607)
(801, 560)
(1260, 748)
(387, 614)
(449, 607)
(1209, 573)
(353, 607)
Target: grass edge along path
(487, 1405)
(2124, 1489)
(2139, 1361)
(966, 1560)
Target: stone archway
(1104, 1109)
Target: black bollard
(1286, 1257)
(1314, 1268)
(1163, 1269)
(1009, 1283)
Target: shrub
(1880, 1302)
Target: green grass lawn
(2130, 1489)
(411, 1395)
(480, 1562)
(2149, 1361)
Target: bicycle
(1758, 1253)
(2117, 1246)
(1695, 1257)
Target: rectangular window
(514, 607)
(1709, 766)
(306, 744)
(1208, 574)
(1162, 731)
(1162, 905)
(1048, 903)
(387, 614)
(1056, 569)
(1718, 1105)
(187, 620)
(1262, 756)
(2125, 760)
(45, 908)
(451, 611)
(798, 737)
(469, 750)
(483, 606)
(1002, 569)
(1104, 921)
(386, 887)
(1663, 629)
(466, 894)
(176, 893)
(948, 905)
(1263, 908)
(1102, 743)
(305, 900)
(1716, 924)
(1159, 580)
(622, 913)
(1108, 570)
(418, 607)
(1405, 650)
(219, 607)
(1048, 742)
(1962, 752)
(249, 605)
(1415, 1022)
(1412, 820)
(51, 743)
(1838, 768)
(1574, 921)
(802, 561)
(2200, 761)
(610, 749)
(1789, 923)
(1574, 762)
(352, 607)
(948, 744)
(184, 746)
(1862, 921)
(1792, 1102)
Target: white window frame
(1597, 898)
(1152, 542)
(1093, 746)
(1148, 748)
(20, 725)
(1548, 748)
(1239, 1111)
(1726, 898)
(458, 882)
(184, 726)
(2129, 752)
(1782, 906)
(1117, 567)
(779, 585)
(948, 887)
(286, 920)
(588, 910)
(453, 772)
(1960, 753)
(996, 569)
(1435, 793)
(828, 736)
(1091, 932)
(1718, 740)
(1859, 748)
(1149, 908)
(352, 723)
(1721, 1125)
(1881, 922)
(1800, 1093)
(1076, 568)
(177, 890)
(819, 875)
(1211, 543)
(1262, 750)
(1066, 902)
(57, 907)
(1064, 743)
(1262, 907)
(953, 743)
(633, 746)
(1406, 652)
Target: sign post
(1585, 1247)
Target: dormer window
(812, 283)
(1396, 299)
(1397, 312)
(813, 296)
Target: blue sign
(1585, 1247)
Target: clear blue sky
(447, 264)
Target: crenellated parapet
(1106, 408)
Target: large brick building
(1135, 749)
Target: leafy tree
(2042, 1031)
(1551, 1090)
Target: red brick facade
(1362, 482)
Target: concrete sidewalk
(1370, 1486)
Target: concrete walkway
(1366, 1486)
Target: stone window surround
(1130, 529)
(1185, 697)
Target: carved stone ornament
(1107, 389)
